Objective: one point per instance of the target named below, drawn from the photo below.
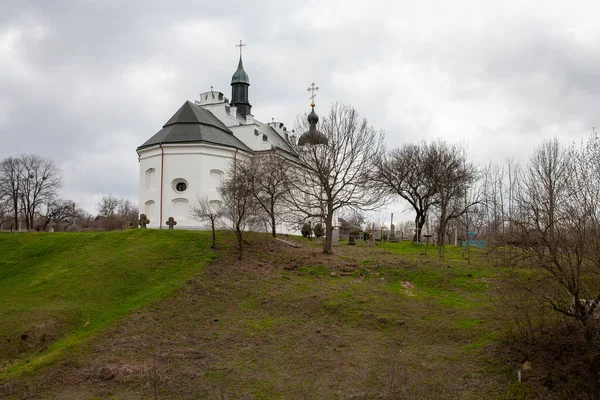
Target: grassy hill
(155, 314)
(59, 289)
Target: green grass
(57, 290)
(364, 320)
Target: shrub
(319, 230)
(306, 230)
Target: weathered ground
(296, 324)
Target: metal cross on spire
(313, 88)
(240, 46)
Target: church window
(180, 209)
(150, 178)
(216, 176)
(180, 185)
(215, 204)
(149, 209)
(264, 137)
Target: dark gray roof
(191, 124)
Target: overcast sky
(86, 82)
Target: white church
(189, 156)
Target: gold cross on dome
(240, 46)
(313, 88)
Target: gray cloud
(86, 82)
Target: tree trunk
(327, 247)
(240, 242)
(419, 223)
(16, 209)
(27, 217)
(214, 236)
(441, 238)
(273, 228)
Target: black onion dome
(313, 118)
(313, 136)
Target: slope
(57, 290)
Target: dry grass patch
(280, 325)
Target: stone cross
(240, 46)
(143, 220)
(171, 222)
(313, 88)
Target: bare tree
(28, 181)
(126, 207)
(56, 211)
(204, 210)
(453, 176)
(351, 220)
(239, 208)
(493, 180)
(10, 186)
(556, 235)
(108, 206)
(412, 173)
(4, 211)
(81, 219)
(266, 174)
(405, 229)
(40, 180)
(128, 211)
(428, 176)
(333, 172)
(114, 212)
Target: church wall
(248, 135)
(251, 134)
(219, 111)
(199, 167)
(149, 189)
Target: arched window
(149, 209)
(150, 179)
(216, 205)
(216, 176)
(180, 208)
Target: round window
(179, 185)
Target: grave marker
(171, 222)
(143, 221)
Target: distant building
(189, 156)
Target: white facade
(174, 172)
(201, 167)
